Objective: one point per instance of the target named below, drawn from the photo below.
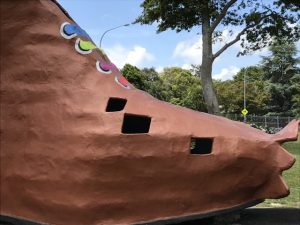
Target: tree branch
(237, 38)
(222, 14)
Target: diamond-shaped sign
(244, 112)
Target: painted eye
(81, 47)
(121, 80)
(103, 68)
(67, 30)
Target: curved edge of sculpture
(81, 145)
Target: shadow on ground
(253, 216)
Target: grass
(292, 178)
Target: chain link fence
(275, 122)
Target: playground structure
(81, 145)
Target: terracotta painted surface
(64, 159)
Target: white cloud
(226, 73)
(186, 66)
(227, 36)
(189, 50)
(159, 69)
(136, 56)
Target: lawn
(292, 177)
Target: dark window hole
(135, 124)
(115, 104)
(201, 146)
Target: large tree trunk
(209, 93)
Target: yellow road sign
(244, 112)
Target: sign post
(244, 111)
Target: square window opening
(201, 146)
(115, 104)
(136, 124)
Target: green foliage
(283, 75)
(252, 74)
(135, 76)
(184, 89)
(155, 85)
(257, 20)
(296, 105)
(174, 14)
(231, 92)
(263, 91)
(175, 85)
(147, 80)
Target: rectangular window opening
(201, 146)
(115, 104)
(136, 124)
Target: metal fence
(264, 121)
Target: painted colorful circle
(121, 80)
(64, 33)
(69, 31)
(102, 68)
(80, 49)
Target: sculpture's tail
(289, 133)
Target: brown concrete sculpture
(80, 145)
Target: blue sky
(141, 46)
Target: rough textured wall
(68, 158)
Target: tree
(231, 94)
(147, 80)
(183, 88)
(174, 85)
(134, 76)
(280, 69)
(257, 21)
(155, 85)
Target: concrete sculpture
(80, 145)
